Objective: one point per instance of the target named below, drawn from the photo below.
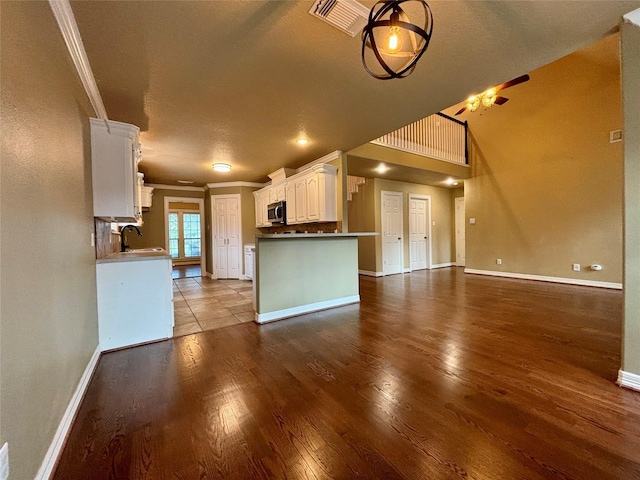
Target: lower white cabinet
(248, 261)
(135, 301)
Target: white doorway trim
(460, 226)
(200, 202)
(213, 236)
(383, 224)
(428, 229)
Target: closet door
(227, 236)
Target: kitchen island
(302, 273)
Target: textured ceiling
(238, 81)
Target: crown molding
(160, 186)
(235, 184)
(327, 158)
(69, 29)
(633, 17)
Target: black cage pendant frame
(369, 41)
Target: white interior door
(419, 236)
(392, 247)
(227, 236)
(460, 227)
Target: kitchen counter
(136, 255)
(300, 273)
(315, 235)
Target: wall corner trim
(628, 380)
(69, 29)
(60, 437)
(443, 265)
(236, 184)
(312, 307)
(369, 273)
(543, 278)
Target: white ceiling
(238, 81)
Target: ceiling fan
(490, 96)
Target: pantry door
(227, 236)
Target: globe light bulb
(393, 42)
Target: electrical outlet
(4, 462)
(498, 261)
(576, 267)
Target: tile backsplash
(107, 242)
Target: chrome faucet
(123, 245)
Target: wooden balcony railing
(438, 136)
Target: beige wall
(153, 234)
(440, 214)
(455, 193)
(631, 94)
(546, 189)
(48, 309)
(365, 214)
(248, 214)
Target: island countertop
(136, 255)
(315, 235)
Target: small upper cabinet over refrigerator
(115, 153)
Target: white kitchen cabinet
(135, 300)
(147, 197)
(115, 153)
(261, 203)
(310, 197)
(290, 205)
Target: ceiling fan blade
(511, 83)
(501, 100)
(461, 110)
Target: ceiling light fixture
(302, 141)
(221, 167)
(186, 182)
(392, 41)
(382, 168)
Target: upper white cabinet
(115, 153)
(310, 196)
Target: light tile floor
(204, 304)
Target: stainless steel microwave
(276, 212)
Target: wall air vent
(346, 15)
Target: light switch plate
(4, 462)
(472, 221)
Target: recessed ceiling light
(451, 181)
(302, 141)
(454, 184)
(221, 167)
(186, 182)
(382, 168)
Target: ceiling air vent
(346, 15)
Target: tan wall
(153, 229)
(248, 214)
(361, 215)
(455, 193)
(365, 216)
(440, 214)
(546, 190)
(48, 313)
(631, 94)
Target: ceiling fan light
(221, 167)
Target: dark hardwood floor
(435, 375)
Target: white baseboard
(369, 273)
(542, 278)
(628, 380)
(312, 307)
(443, 265)
(50, 459)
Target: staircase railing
(438, 136)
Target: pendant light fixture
(391, 44)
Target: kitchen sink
(144, 250)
